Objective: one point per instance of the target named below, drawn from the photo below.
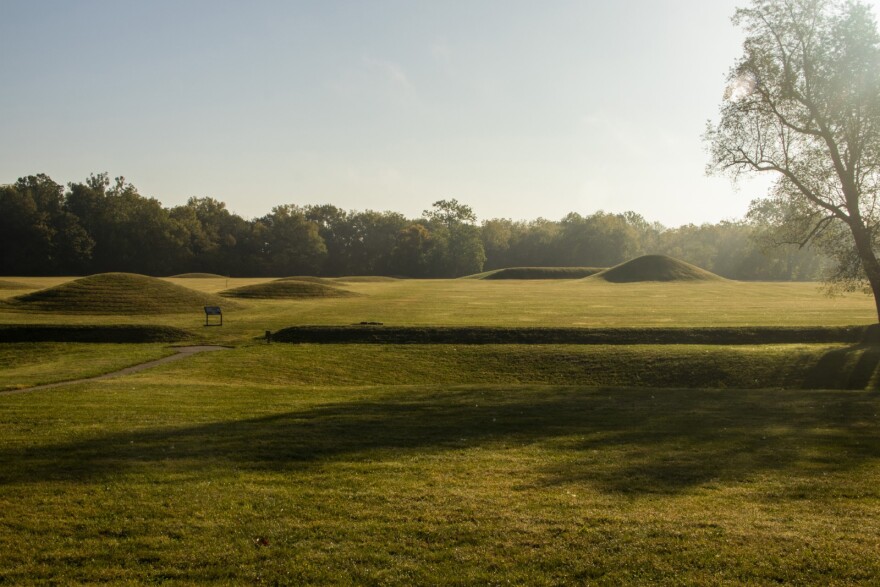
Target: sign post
(213, 311)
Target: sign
(213, 311)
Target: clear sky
(522, 109)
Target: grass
(286, 289)
(25, 364)
(655, 268)
(537, 273)
(112, 293)
(450, 464)
(197, 276)
(6, 284)
(506, 303)
(154, 479)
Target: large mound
(655, 268)
(539, 273)
(197, 276)
(4, 284)
(114, 293)
(286, 289)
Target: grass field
(450, 464)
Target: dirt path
(184, 351)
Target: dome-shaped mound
(114, 293)
(197, 276)
(655, 268)
(287, 289)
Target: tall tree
(803, 103)
(457, 246)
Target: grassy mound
(655, 268)
(308, 278)
(13, 285)
(114, 293)
(119, 333)
(197, 276)
(538, 273)
(366, 278)
(286, 289)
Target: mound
(114, 293)
(13, 285)
(655, 268)
(286, 289)
(198, 276)
(539, 273)
(365, 278)
(307, 278)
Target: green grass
(27, 364)
(154, 479)
(286, 289)
(694, 366)
(112, 293)
(450, 464)
(6, 284)
(655, 268)
(537, 273)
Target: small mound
(197, 276)
(13, 285)
(286, 289)
(307, 278)
(655, 268)
(539, 273)
(114, 293)
(366, 278)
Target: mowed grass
(35, 363)
(238, 480)
(472, 302)
(453, 464)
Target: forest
(100, 225)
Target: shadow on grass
(618, 440)
(853, 367)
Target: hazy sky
(520, 109)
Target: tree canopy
(803, 103)
(100, 225)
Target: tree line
(100, 225)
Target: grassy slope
(35, 363)
(339, 465)
(286, 289)
(113, 293)
(153, 479)
(516, 303)
(537, 273)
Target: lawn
(451, 464)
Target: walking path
(183, 351)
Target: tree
(37, 234)
(803, 103)
(457, 247)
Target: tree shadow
(854, 367)
(617, 440)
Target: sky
(520, 109)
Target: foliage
(100, 226)
(803, 104)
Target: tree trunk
(870, 264)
